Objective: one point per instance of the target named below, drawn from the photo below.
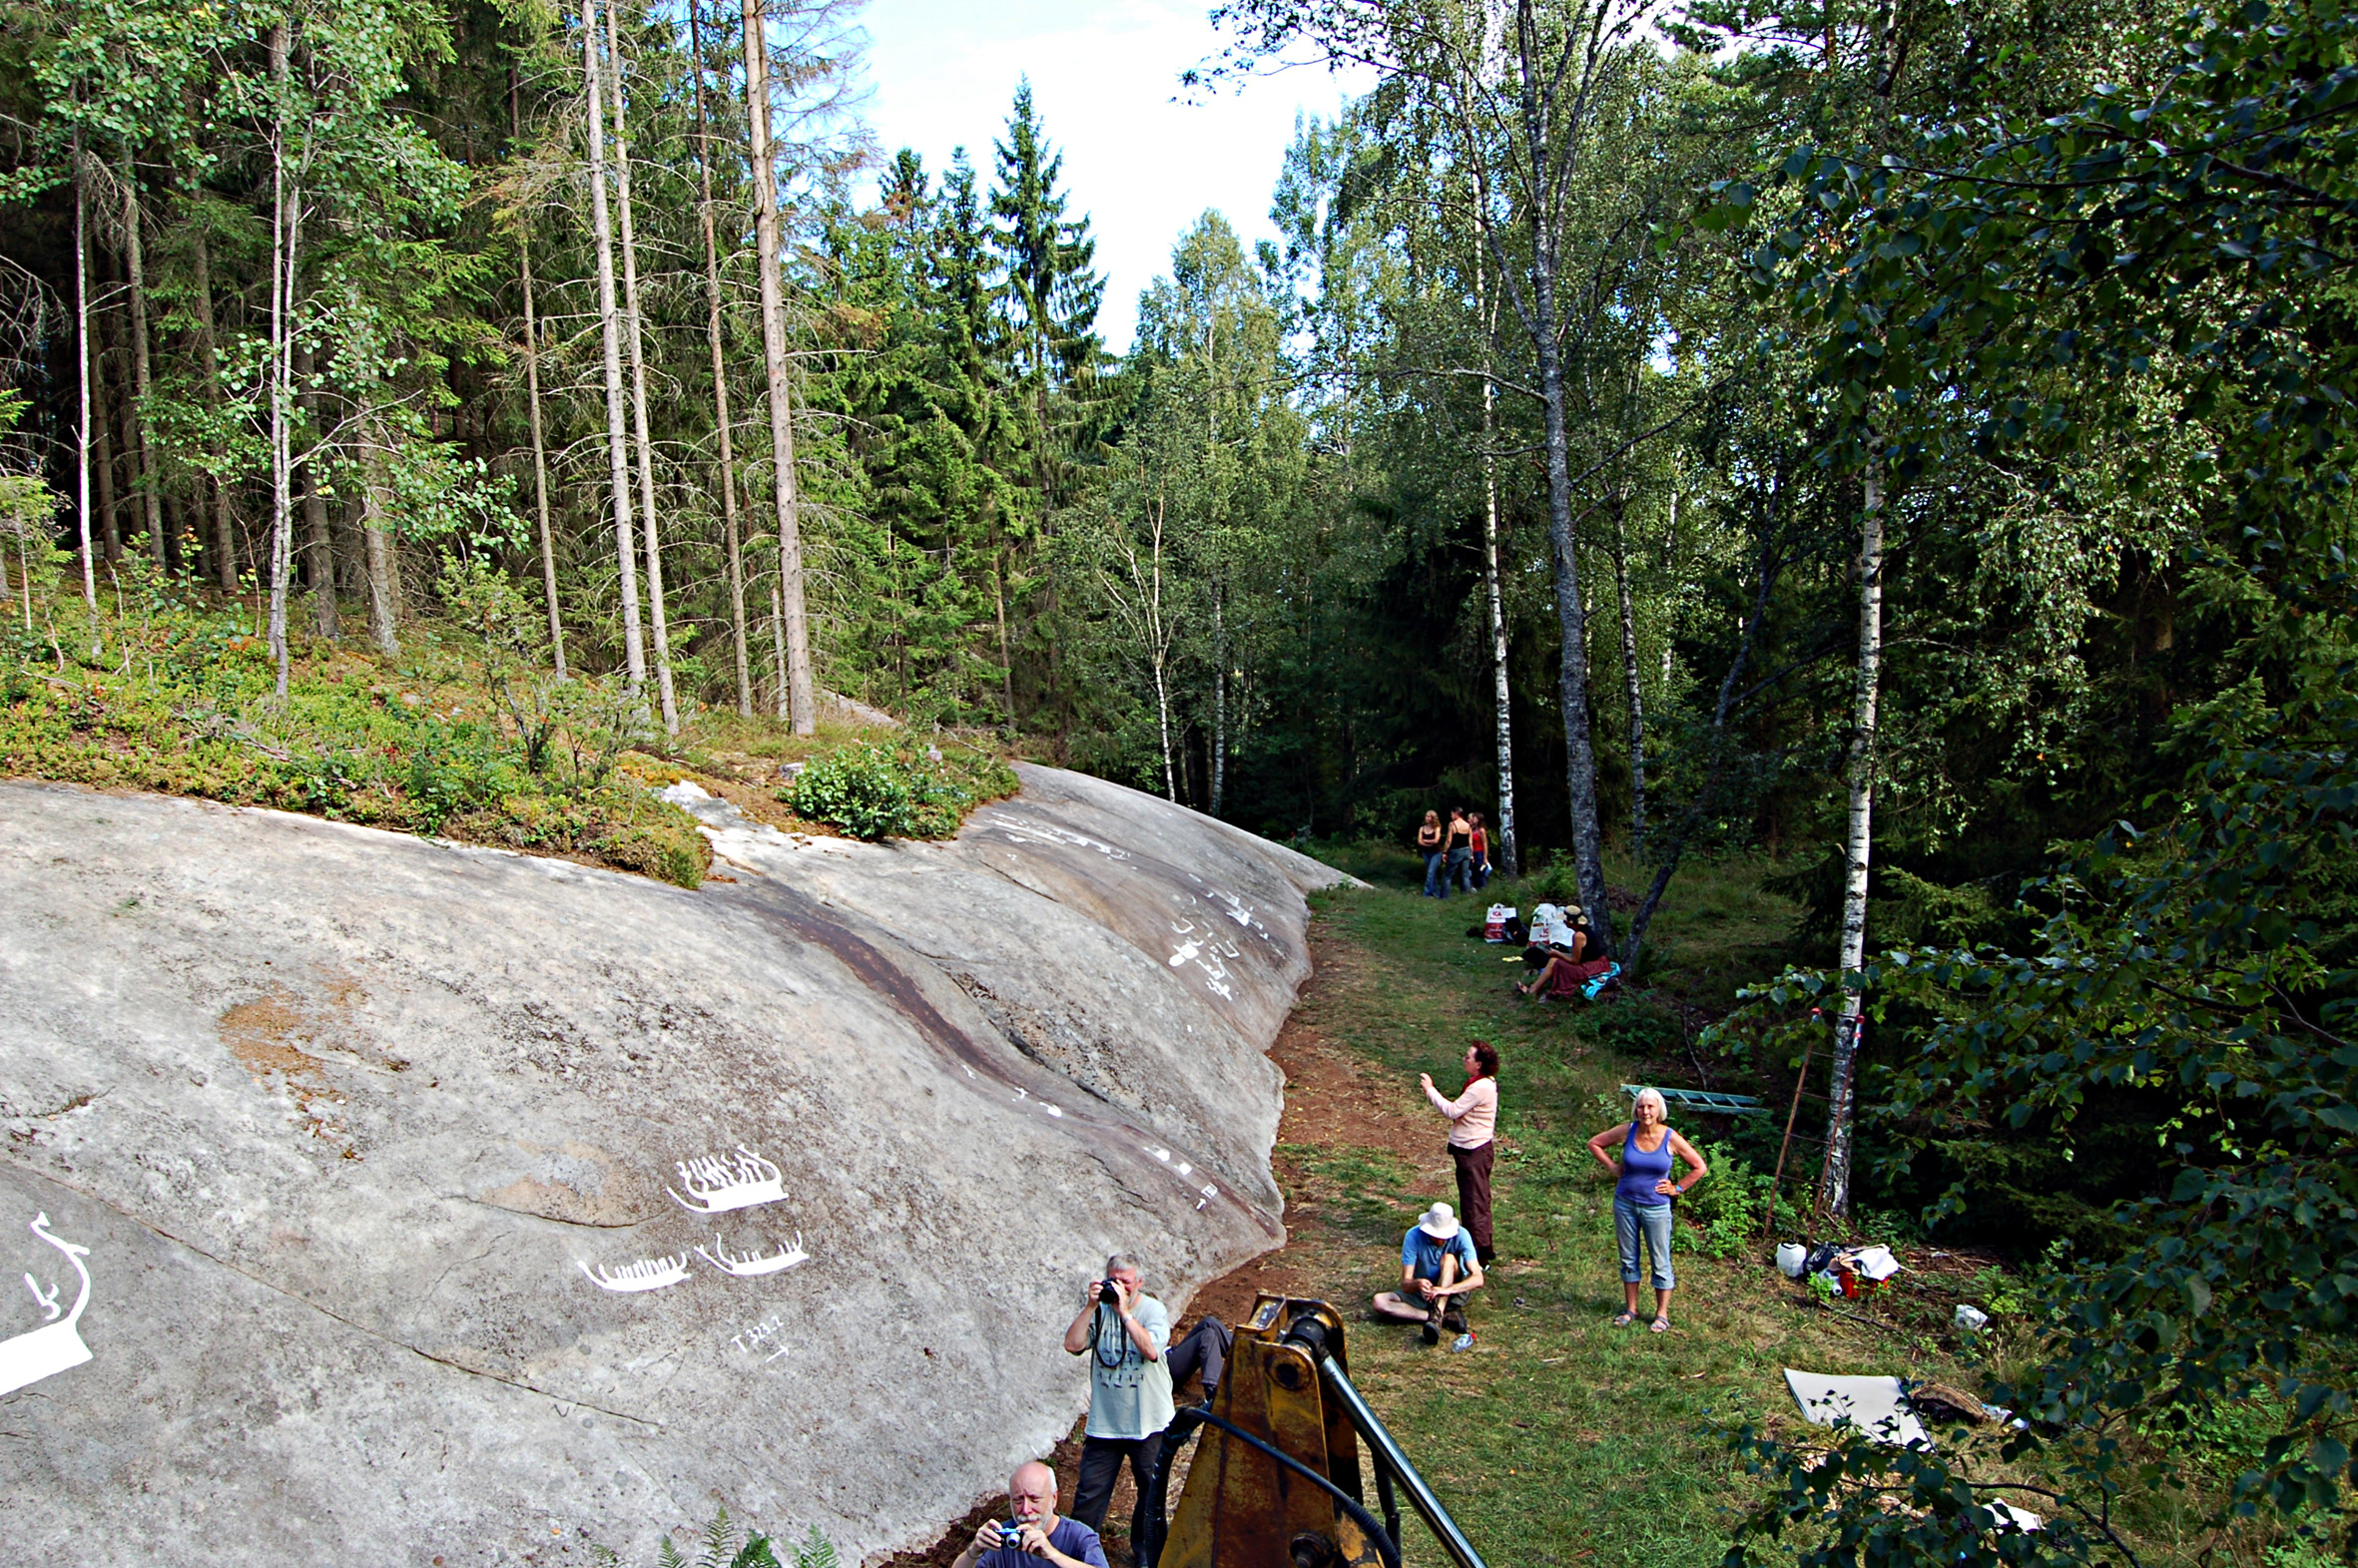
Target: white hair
(1124, 1262)
(1661, 1108)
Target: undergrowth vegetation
(466, 734)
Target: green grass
(1559, 1439)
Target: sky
(1143, 164)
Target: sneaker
(1431, 1332)
(1463, 1342)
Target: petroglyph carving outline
(648, 1273)
(721, 1184)
(749, 1266)
(57, 1345)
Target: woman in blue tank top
(1644, 1183)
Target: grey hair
(1121, 1263)
(1661, 1107)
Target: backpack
(1598, 984)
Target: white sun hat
(1440, 1222)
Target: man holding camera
(1031, 1529)
(1124, 1332)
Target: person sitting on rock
(1032, 1529)
(1438, 1271)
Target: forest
(1908, 442)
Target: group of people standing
(1455, 852)
(1443, 1256)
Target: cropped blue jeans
(1652, 1221)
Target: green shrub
(871, 793)
(1730, 1206)
(860, 789)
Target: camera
(1011, 1534)
(1111, 1293)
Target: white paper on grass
(1875, 1405)
(2021, 1518)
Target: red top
(1481, 842)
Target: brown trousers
(1474, 1194)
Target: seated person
(1032, 1530)
(1438, 1269)
(1551, 932)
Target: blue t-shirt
(1071, 1537)
(1422, 1255)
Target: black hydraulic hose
(1385, 1496)
(1386, 1546)
(1390, 1461)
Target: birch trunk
(1509, 855)
(1218, 700)
(284, 244)
(136, 271)
(549, 549)
(618, 476)
(649, 532)
(224, 532)
(1630, 676)
(711, 302)
(1841, 1090)
(82, 368)
(801, 706)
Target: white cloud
(1105, 76)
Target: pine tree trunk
(1841, 1093)
(135, 263)
(224, 532)
(82, 367)
(320, 543)
(801, 702)
(1629, 674)
(1670, 566)
(109, 528)
(610, 331)
(712, 300)
(548, 546)
(635, 341)
(376, 540)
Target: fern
(720, 1540)
(816, 1551)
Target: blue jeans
(1433, 887)
(1653, 1220)
(1459, 871)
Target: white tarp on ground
(1876, 1405)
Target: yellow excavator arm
(1276, 1479)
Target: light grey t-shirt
(1132, 1398)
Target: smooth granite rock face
(369, 1200)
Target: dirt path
(1333, 1102)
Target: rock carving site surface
(385, 1200)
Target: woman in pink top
(1473, 1123)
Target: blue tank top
(1640, 1171)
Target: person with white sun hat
(1438, 1271)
